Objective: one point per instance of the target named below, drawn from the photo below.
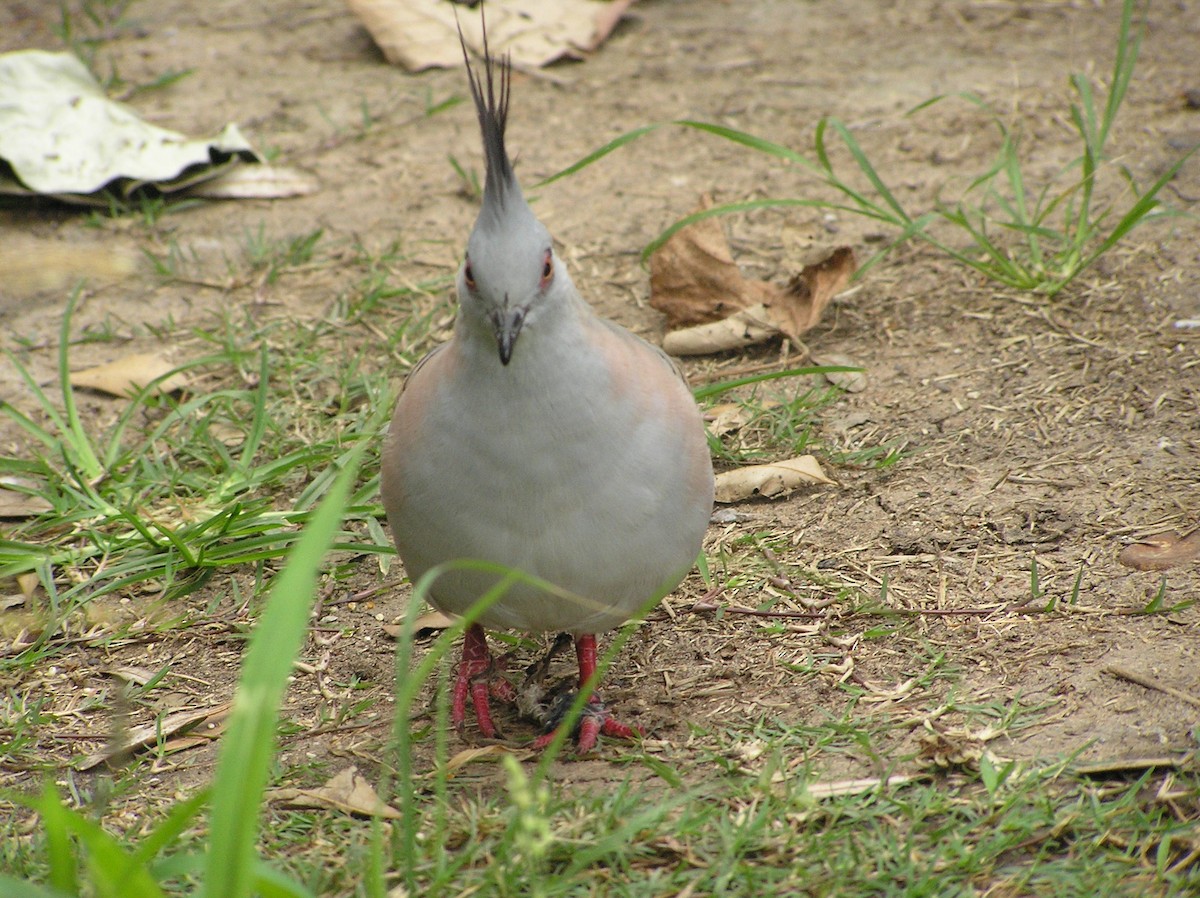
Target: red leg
(596, 719)
(473, 677)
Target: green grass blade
(19, 888)
(708, 391)
(728, 209)
(609, 147)
(768, 147)
(60, 856)
(171, 828)
(259, 417)
(865, 166)
(1123, 66)
(79, 440)
(248, 749)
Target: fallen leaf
(15, 502)
(693, 278)
(28, 583)
(348, 791)
(137, 676)
(429, 622)
(129, 374)
(957, 746)
(770, 480)
(850, 381)
(799, 306)
(471, 755)
(728, 417)
(16, 600)
(743, 328)
(61, 135)
(1161, 551)
(257, 182)
(842, 788)
(421, 34)
(711, 307)
(151, 734)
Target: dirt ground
(1049, 430)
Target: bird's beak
(508, 328)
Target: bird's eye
(468, 275)
(547, 269)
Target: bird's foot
(594, 722)
(478, 675)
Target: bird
(545, 439)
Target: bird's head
(510, 274)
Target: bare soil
(1034, 429)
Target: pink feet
(595, 719)
(476, 675)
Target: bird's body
(575, 454)
(571, 464)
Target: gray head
(510, 274)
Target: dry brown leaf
(711, 307)
(693, 278)
(1161, 551)
(139, 737)
(769, 481)
(138, 676)
(348, 792)
(422, 34)
(16, 600)
(798, 307)
(956, 746)
(129, 374)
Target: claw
(594, 722)
(476, 675)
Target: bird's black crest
(491, 105)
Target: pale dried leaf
(129, 374)
(151, 734)
(956, 746)
(28, 583)
(741, 329)
(421, 34)
(257, 182)
(434, 620)
(61, 135)
(769, 480)
(32, 266)
(138, 676)
(16, 503)
(850, 381)
(471, 755)
(855, 787)
(429, 622)
(16, 600)
(348, 791)
(1162, 551)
